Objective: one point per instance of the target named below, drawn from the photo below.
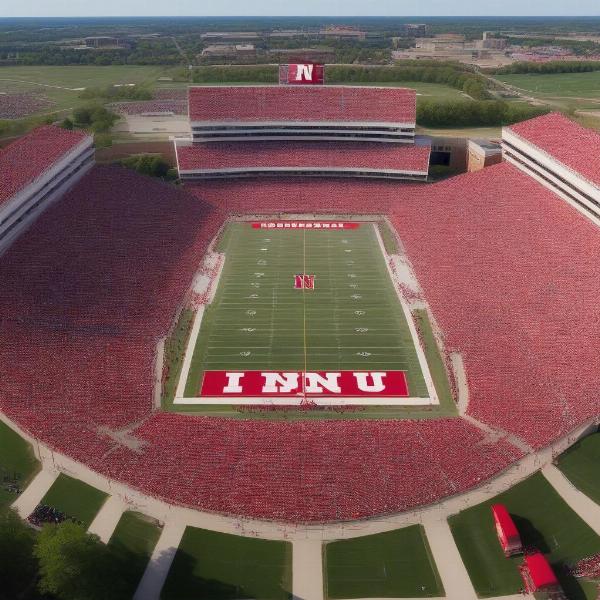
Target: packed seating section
(509, 270)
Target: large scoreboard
(302, 74)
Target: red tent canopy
(508, 534)
(540, 571)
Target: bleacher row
(88, 291)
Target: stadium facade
(304, 131)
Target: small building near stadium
(508, 534)
(539, 578)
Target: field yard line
(189, 353)
(411, 325)
(446, 556)
(584, 506)
(34, 492)
(307, 570)
(108, 517)
(160, 562)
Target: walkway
(35, 491)
(584, 506)
(107, 519)
(160, 562)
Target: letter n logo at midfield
(304, 282)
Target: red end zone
(315, 384)
(305, 225)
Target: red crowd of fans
(303, 103)
(25, 159)
(271, 154)
(510, 272)
(16, 106)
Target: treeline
(554, 66)
(486, 113)
(578, 47)
(235, 74)
(144, 52)
(151, 165)
(62, 562)
(446, 74)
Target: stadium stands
(36, 169)
(559, 153)
(521, 266)
(302, 112)
(509, 270)
(347, 159)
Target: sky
(82, 8)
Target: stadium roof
(25, 159)
(333, 155)
(302, 104)
(576, 147)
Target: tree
(75, 565)
(18, 566)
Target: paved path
(585, 507)
(455, 578)
(34, 492)
(106, 520)
(160, 562)
(307, 570)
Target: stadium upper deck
(302, 112)
(350, 159)
(36, 169)
(561, 154)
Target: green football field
(352, 320)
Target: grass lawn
(59, 84)
(544, 520)
(133, 540)
(435, 362)
(229, 567)
(395, 564)
(580, 85)
(581, 464)
(18, 464)
(174, 352)
(75, 498)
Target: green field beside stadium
(220, 566)
(352, 320)
(395, 564)
(18, 465)
(75, 498)
(581, 464)
(544, 521)
(133, 542)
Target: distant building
(322, 54)
(343, 32)
(241, 52)
(230, 36)
(415, 29)
(106, 42)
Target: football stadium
(307, 371)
